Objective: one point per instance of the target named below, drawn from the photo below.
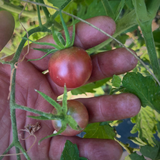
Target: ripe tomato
(80, 114)
(71, 67)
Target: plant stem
(12, 8)
(61, 8)
(6, 151)
(39, 16)
(23, 150)
(148, 36)
(46, 12)
(12, 111)
(12, 92)
(20, 47)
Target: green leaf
(43, 43)
(71, 152)
(158, 129)
(152, 7)
(51, 101)
(94, 9)
(57, 3)
(43, 49)
(73, 33)
(113, 8)
(122, 38)
(156, 36)
(141, 10)
(60, 37)
(66, 32)
(146, 11)
(134, 156)
(49, 52)
(116, 81)
(145, 125)
(137, 141)
(151, 152)
(89, 87)
(39, 117)
(129, 4)
(64, 102)
(108, 8)
(55, 37)
(99, 130)
(119, 9)
(144, 87)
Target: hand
(103, 108)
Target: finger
(92, 149)
(6, 27)
(112, 107)
(86, 37)
(107, 64)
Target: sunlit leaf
(145, 125)
(116, 81)
(89, 87)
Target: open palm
(29, 77)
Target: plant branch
(46, 12)
(7, 150)
(13, 64)
(39, 16)
(148, 36)
(144, 19)
(20, 47)
(12, 8)
(103, 33)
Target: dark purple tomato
(79, 112)
(71, 67)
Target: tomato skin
(79, 112)
(71, 67)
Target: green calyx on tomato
(78, 112)
(61, 43)
(68, 117)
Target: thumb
(6, 27)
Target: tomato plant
(71, 66)
(79, 112)
(137, 26)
